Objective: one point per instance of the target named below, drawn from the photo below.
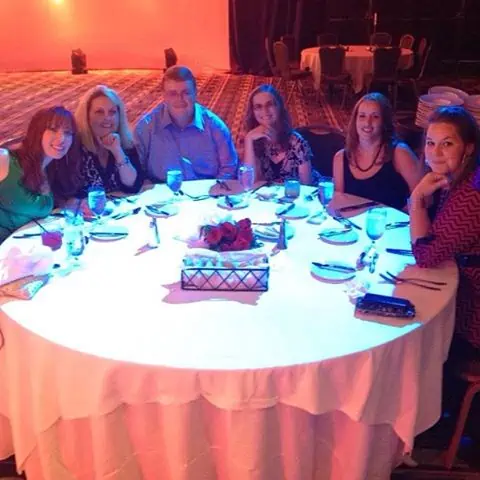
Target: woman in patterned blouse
(110, 158)
(450, 228)
(272, 147)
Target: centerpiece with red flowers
(229, 236)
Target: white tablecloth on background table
(358, 63)
(115, 372)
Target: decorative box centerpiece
(226, 257)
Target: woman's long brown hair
(63, 174)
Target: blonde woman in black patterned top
(272, 147)
(110, 159)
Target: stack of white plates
(449, 91)
(472, 104)
(428, 103)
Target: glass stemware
(97, 201)
(376, 225)
(174, 182)
(246, 177)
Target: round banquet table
(358, 63)
(115, 372)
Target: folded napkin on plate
(202, 257)
(24, 272)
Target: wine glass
(376, 224)
(246, 177)
(97, 201)
(174, 182)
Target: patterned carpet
(21, 94)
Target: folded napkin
(202, 257)
(24, 271)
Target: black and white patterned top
(276, 164)
(94, 174)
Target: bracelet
(125, 161)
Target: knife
(346, 221)
(28, 235)
(393, 225)
(333, 233)
(336, 268)
(228, 201)
(399, 251)
(286, 210)
(357, 206)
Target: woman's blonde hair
(83, 121)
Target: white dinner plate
(161, 210)
(270, 233)
(330, 274)
(339, 236)
(109, 233)
(298, 211)
(236, 202)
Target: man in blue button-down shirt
(181, 133)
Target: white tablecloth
(115, 372)
(358, 63)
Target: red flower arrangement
(229, 236)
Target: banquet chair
(385, 70)
(327, 39)
(170, 57)
(406, 41)
(413, 76)
(332, 63)
(381, 39)
(325, 141)
(269, 53)
(285, 70)
(470, 372)
(289, 40)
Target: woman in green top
(26, 183)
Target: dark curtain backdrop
(250, 22)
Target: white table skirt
(358, 63)
(129, 374)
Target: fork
(223, 185)
(396, 280)
(194, 197)
(311, 196)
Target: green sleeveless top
(18, 205)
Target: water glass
(246, 177)
(97, 200)
(292, 188)
(174, 181)
(326, 190)
(74, 236)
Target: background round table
(114, 371)
(358, 63)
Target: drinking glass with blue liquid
(246, 177)
(97, 201)
(174, 182)
(326, 190)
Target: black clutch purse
(385, 306)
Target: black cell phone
(385, 305)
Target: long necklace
(372, 164)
